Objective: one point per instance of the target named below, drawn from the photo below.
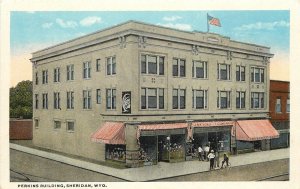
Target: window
(70, 126)
(56, 101)
(199, 69)
(45, 101)
(57, 75)
(152, 98)
(178, 98)
(240, 99)
(257, 75)
(288, 104)
(70, 72)
(70, 100)
(223, 72)
(223, 101)
(36, 123)
(57, 124)
(87, 99)
(151, 64)
(98, 96)
(36, 101)
(111, 65)
(240, 73)
(199, 99)
(278, 105)
(111, 99)
(36, 78)
(45, 76)
(98, 65)
(178, 67)
(87, 70)
(257, 100)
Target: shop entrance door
(212, 140)
(257, 145)
(163, 148)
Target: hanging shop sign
(126, 102)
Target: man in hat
(211, 156)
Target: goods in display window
(116, 152)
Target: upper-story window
(179, 98)
(151, 64)
(56, 75)
(70, 100)
(111, 65)
(257, 75)
(98, 65)
(98, 96)
(87, 70)
(224, 99)
(179, 67)
(36, 101)
(36, 78)
(56, 100)
(45, 100)
(45, 76)
(240, 73)
(278, 105)
(240, 99)
(87, 104)
(152, 98)
(223, 71)
(70, 126)
(257, 100)
(288, 104)
(111, 99)
(57, 124)
(199, 69)
(199, 99)
(70, 72)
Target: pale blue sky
(269, 28)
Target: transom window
(240, 73)
(223, 71)
(199, 69)
(152, 64)
(224, 99)
(70, 72)
(56, 101)
(199, 99)
(257, 100)
(152, 98)
(70, 100)
(111, 99)
(240, 99)
(111, 65)
(178, 98)
(257, 75)
(87, 104)
(179, 67)
(87, 70)
(57, 75)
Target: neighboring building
(141, 93)
(280, 112)
(20, 129)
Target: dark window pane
(175, 67)
(224, 102)
(199, 102)
(161, 99)
(161, 66)
(152, 68)
(182, 68)
(199, 72)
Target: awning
(212, 123)
(252, 130)
(154, 127)
(110, 133)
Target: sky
(33, 30)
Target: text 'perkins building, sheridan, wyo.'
(140, 94)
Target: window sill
(199, 78)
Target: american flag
(213, 21)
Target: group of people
(212, 156)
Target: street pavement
(156, 172)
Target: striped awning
(212, 123)
(153, 127)
(110, 133)
(252, 130)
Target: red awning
(212, 123)
(110, 133)
(160, 127)
(251, 130)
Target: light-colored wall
(129, 78)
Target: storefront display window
(148, 150)
(115, 152)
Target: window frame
(36, 123)
(56, 101)
(56, 75)
(157, 96)
(112, 99)
(111, 65)
(36, 78)
(160, 70)
(70, 100)
(87, 70)
(240, 104)
(98, 65)
(55, 121)
(179, 91)
(194, 99)
(45, 77)
(194, 69)
(260, 104)
(228, 72)
(179, 67)
(239, 73)
(45, 101)
(261, 74)
(278, 105)
(36, 97)
(70, 72)
(87, 99)
(228, 99)
(98, 96)
(67, 126)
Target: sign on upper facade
(126, 102)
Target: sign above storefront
(126, 102)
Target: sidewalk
(162, 169)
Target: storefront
(282, 141)
(253, 135)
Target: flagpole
(207, 23)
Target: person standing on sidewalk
(217, 159)
(206, 150)
(200, 153)
(211, 156)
